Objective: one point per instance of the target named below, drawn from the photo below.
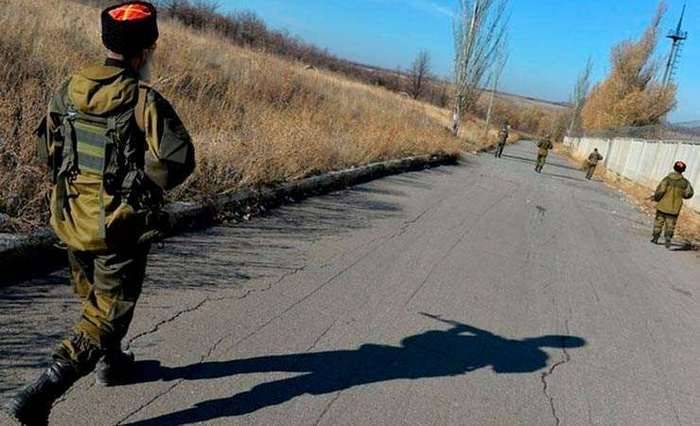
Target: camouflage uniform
(670, 194)
(542, 152)
(592, 163)
(108, 265)
(102, 231)
(502, 140)
(113, 145)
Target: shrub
(630, 96)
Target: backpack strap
(140, 109)
(68, 169)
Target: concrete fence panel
(633, 160)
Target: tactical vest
(111, 148)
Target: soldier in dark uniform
(669, 195)
(543, 148)
(114, 145)
(502, 140)
(592, 163)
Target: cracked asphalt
(479, 294)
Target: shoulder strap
(140, 110)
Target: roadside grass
(256, 119)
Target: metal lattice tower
(678, 38)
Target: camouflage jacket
(544, 146)
(167, 156)
(671, 192)
(594, 158)
(502, 136)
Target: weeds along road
(471, 295)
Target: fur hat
(130, 27)
(679, 166)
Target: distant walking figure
(669, 195)
(502, 140)
(543, 151)
(592, 163)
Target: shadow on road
(434, 353)
(558, 176)
(533, 161)
(35, 314)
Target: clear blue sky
(549, 39)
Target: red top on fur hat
(130, 12)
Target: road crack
(207, 355)
(550, 372)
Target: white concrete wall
(643, 161)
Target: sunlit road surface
(480, 294)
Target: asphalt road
(470, 295)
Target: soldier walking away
(114, 145)
(543, 151)
(669, 196)
(592, 163)
(502, 139)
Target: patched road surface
(480, 294)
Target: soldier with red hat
(669, 196)
(114, 146)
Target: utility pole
(678, 38)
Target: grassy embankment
(256, 119)
(688, 227)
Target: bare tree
(496, 74)
(420, 72)
(631, 95)
(579, 95)
(480, 37)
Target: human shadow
(434, 353)
(560, 176)
(550, 163)
(685, 246)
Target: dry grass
(537, 119)
(688, 227)
(256, 119)
(630, 96)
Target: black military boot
(655, 239)
(668, 243)
(32, 405)
(115, 368)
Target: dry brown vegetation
(630, 96)
(256, 118)
(533, 119)
(246, 29)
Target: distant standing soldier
(543, 151)
(502, 139)
(592, 163)
(114, 145)
(669, 195)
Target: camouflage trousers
(499, 150)
(665, 220)
(541, 160)
(109, 285)
(590, 170)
